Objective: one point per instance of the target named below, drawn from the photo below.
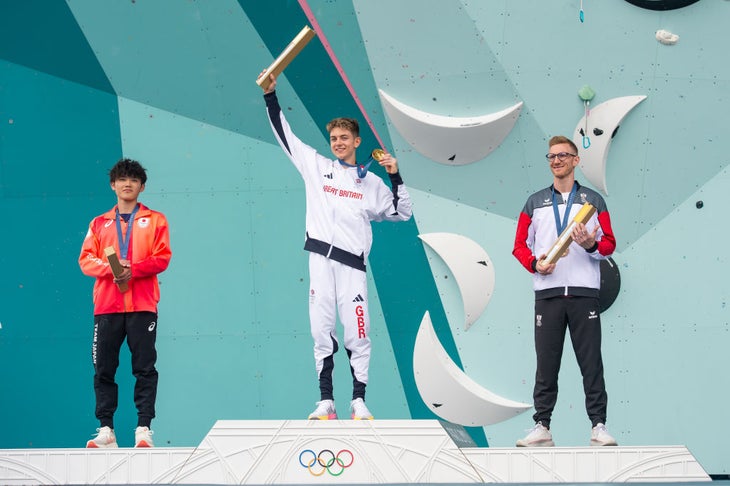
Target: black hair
(128, 168)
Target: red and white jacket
(149, 254)
(577, 273)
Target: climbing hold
(586, 93)
(667, 38)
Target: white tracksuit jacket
(339, 208)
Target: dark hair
(561, 139)
(349, 124)
(128, 168)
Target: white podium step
(344, 452)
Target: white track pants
(336, 289)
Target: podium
(345, 452)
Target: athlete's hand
(584, 238)
(544, 268)
(390, 163)
(126, 275)
(272, 84)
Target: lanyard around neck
(560, 227)
(362, 170)
(124, 238)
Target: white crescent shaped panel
(450, 140)
(605, 117)
(449, 392)
(471, 267)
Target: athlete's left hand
(583, 237)
(126, 275)
(390, 163)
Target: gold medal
(378, 154)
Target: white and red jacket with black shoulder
(578, 273)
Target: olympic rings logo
(326, 460)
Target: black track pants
(580, 315)
(110, 330)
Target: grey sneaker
(538, 436)
(105, 438)
(601, 437)
(325, 411)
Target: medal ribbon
(560, 227)
(362, 170)
(124, 238)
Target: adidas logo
(358, 298)
(328, 176)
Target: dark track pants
(110, 330)
(581, 316)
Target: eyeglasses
(561, 156)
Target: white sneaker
(325, 411)
(601, 437)
(360, 410)
(538, 436)
(105, 438)
(143, 437)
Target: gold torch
(566, 237)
